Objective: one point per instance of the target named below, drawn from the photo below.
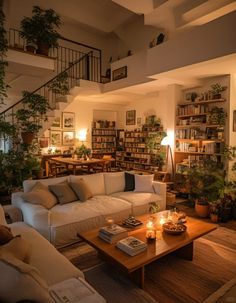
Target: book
(131, 222)
(112, 234)
(132, 245)
(73, 290)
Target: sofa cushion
(20, 281)
(39, 194)
(18, 248)
(140, 201)
(5, 234)
(114, 182)
(63, 192)
(129, 182)
(28, 184)
(81, 189)
(143, 183)
(2, 216)
(94, 181)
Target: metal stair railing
(78, 70)
(68, 52)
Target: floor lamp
(166, 142)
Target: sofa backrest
(28, 184)
(114, 182)
(94, 181)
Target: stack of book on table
(131, 245)
(113, 233)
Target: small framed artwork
(56, 124)
(139, 121)
(68, 138)
(55, 138)
(119, 73)
(130, 117)
(68, 120)
(234, 121)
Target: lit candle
(162, 220)
(110, 222)
(150, 230)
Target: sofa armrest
(160, 188)
(35, 215)
(12, 213)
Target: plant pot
(30, 49)
(214, 218)
(203, 210)
(43, 49)
(27, 137)
(216, 96)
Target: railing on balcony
(69, 51)
(68, 78)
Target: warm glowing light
(82, 134)
(162, 220)
(150, 230)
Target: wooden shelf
(201, 102)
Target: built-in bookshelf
(136, 153)
(199, 132)
(103, 137)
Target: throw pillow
(21, 281)
(40, 194)
(114, 182)
(5, 234)
(2, 216)
(63, 192)
(81, 189)
(129, 182)
(143, 183)
(17, 248)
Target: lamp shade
(165, 141)
(82, 135)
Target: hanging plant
(3, 51)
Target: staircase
(71, 66)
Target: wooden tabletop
(164, 244)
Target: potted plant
(40, 29)
(217, 88)
(206, 182)
(158, 160)
(30, 118)
(83, 151)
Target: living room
(150, 68)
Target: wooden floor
(189, 210)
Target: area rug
(169, 279)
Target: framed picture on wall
(68, 120)
(68, 138)
(130, 117)
(56, 124)
(119, 73)
(234, 121)
(55, 138)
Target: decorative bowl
(174, 228)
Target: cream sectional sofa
(21, 282)
(61, 223)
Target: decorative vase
(203, 210)
(27, 137)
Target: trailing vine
(3, 51)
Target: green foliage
(3, 62)
(82, 150)
(217, 88)
(40, 28)
(206, 181)
(217, 116)
(60, 84)
(7, 130)
(30, 118)
(16, 166)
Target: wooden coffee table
(180, 245)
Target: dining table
(75, 163)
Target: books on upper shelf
(113, 233)
(131, 245)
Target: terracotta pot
(202, 210)
(214, 218)
(30, 49)
(27, 137)
(43, 49)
